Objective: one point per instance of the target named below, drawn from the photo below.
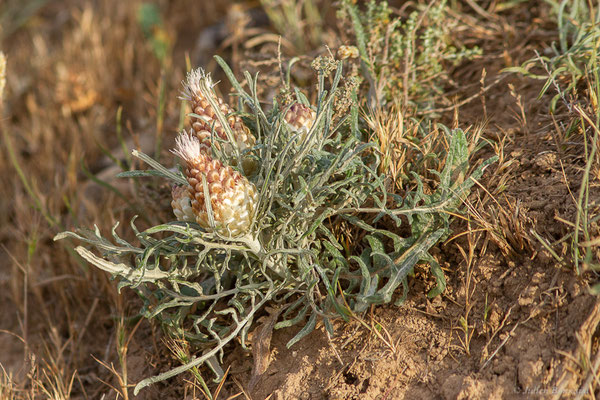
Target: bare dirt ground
(515, 321)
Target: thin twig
(467, 100)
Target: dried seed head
(182, 203)
(300, 119)
(232, 196)
(204, 120)
(348, 52)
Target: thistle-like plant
(241, 242)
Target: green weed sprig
(575, 54)
(406, 59)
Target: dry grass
(71, 67)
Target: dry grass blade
(468, 257)
(390, 133)
(122, 343)
(2, 77)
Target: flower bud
(345, 52)
(300, 118)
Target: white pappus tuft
(196, 80)
(187, 146)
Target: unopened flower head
(232, 197)
(300, 119)
(197, 89)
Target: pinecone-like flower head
(300, 118)
(232, 197)
(198, 86)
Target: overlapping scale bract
(300, 119)
(182, 204)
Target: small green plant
(574, 56)
(586, 236)
(152, 25)
(406, 59)
(258, 203)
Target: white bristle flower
(196, 80)
(187, 147)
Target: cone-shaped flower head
(232, 197)
(300, 118)
(197, 88)
(182, 203)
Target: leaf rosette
(208, 284)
